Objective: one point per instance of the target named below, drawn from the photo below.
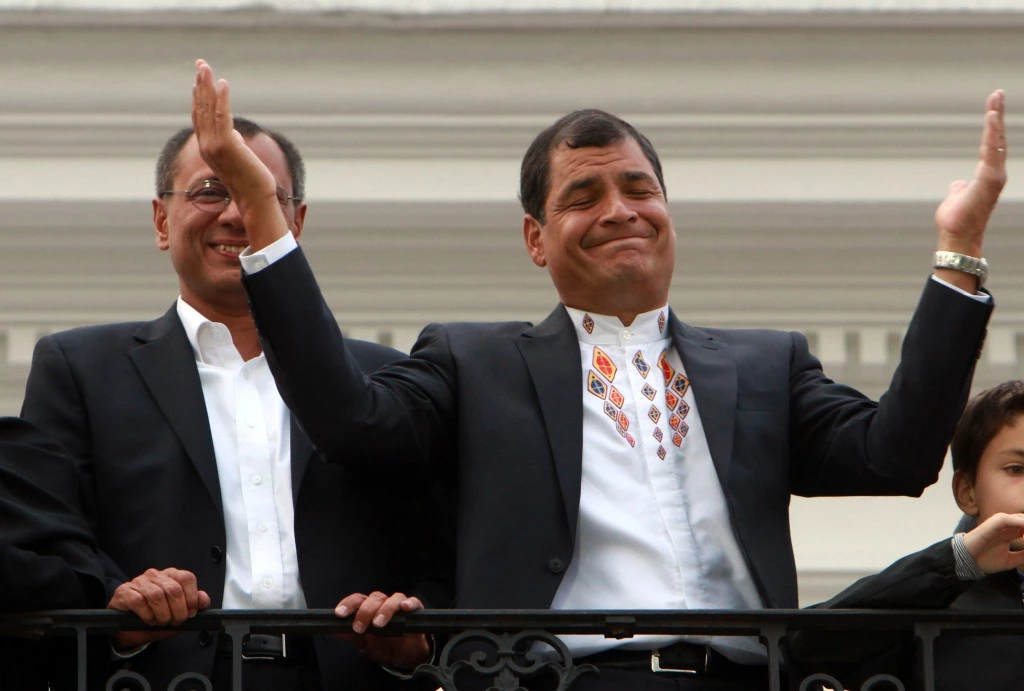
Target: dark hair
(578, 129)
(167, 162)
(985, 415)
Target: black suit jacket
(127, 403)
(48, 557)
(923, 580)
(504, 402)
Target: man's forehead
(189, 164)
(619, 156)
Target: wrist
(967, 272)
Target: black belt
(679, 658)
(266, 647)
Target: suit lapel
(167, 365)
(552, 356)
(712, 373)
(302, 449)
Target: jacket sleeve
(54, 404)
(923, 580)
(48, 556)
(400, 414)
(844, 444)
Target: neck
(625, 313)
(240, 325)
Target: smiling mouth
(230, 249)
(620, 239)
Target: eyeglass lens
(213, 195)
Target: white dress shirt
(654, 530)
(251, 429)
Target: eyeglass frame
(191, 194)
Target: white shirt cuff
(980, 297)
(257, 261)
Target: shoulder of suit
(95, 332)
(478, 329)
(739, 336)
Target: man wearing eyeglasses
(200, 487)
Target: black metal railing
(507, 635)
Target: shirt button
(256, 479)
(262, 527)
(268, 582)
(250, 422)
(556, 565)
(627, 334)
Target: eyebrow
(576, 185)
(637, 176)
(593, 180)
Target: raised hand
(962, 216)
(995, 544)
(375, 611)
(251, 184)
(158, 598)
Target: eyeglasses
(213, 197)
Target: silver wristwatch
(975, 266)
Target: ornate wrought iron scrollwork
(815, 682)
(882, 681)
(507, 659)
(124, 680)
(180, 682)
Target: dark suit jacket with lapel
(505, 400)
(923, 580)
(127, 403)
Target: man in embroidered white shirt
(199, 485)
(614, 456)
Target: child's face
(998, 485)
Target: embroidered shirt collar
(602, 329)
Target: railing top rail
(611, 623)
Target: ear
(534, 241)
(160, 224)
(963, 492)
(299, 221)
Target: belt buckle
(656, 663)
(257, 656)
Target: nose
(617, 209)
(230, 215)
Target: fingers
(991, 168)
(993, 136)
(349, 604)
(161, 598)
(203, 98)
(376, 608)
(211, 111)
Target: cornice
(750, 17)
(386, 135)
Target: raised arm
(250, 182)
(962, 217)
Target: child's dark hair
(985, 415)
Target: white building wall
(805, 151)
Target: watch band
(975, 266)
